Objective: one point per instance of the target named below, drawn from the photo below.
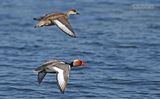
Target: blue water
(119, 43)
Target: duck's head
(72, 11)
(77, 63)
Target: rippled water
(119, 42)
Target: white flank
(60, 77)
(63, 27)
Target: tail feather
(37, 19)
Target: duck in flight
(58, 19)
(61, 69)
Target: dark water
(119, 41)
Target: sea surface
(119, 41)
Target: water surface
(119, 43)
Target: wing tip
(40, 76)
(39, 79)
(62, 92)
(74, 36)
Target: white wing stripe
(63, 27)
(60, 77)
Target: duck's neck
(71, 64)
(68, 14)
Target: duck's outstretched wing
(40, 77)
(41, 70)
(62, 77)
(65, 26)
